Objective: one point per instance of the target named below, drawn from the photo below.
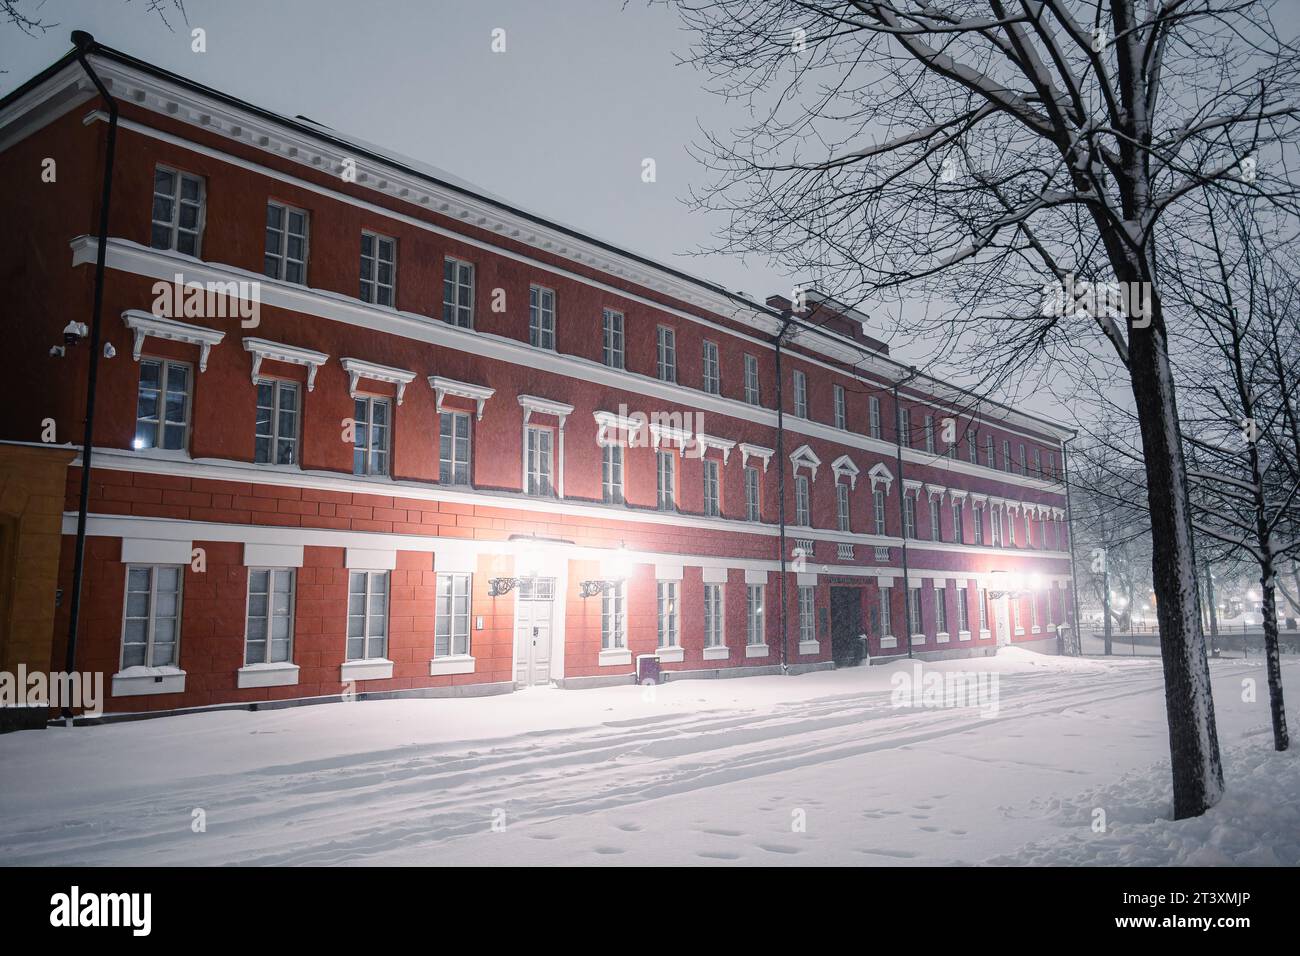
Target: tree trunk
(1193, 738)
(1281, 738)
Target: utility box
(647, 668)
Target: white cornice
(358, 369)
(748, 451)
(544, 406)
(145, 324)
(262, 349)
(442, 387)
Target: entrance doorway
(534, 612)
(1002, 620)
(846, 625)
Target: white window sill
(452, 664)
(670, 655)
(918, 639)
(140, 680)
(720, 653)
(280, 674)
(809, 648)
(1020, 631)
(1036, 630)
(985, 634)
(376, 669)
(756, 650)
(615, 657)
(942, 637)
(888, 641)
(963, 635)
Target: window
(984, 609)
(666, 357)
(807, 619)
(611, 474)
(367, 615)
(886, 616)
(268, 629)
(978, 512)
(873, 416)
(177, 211)
(451, 616)
(276, 440)
(713, 615)
(1015, 615)
(162, 412)
(905, 427)
(802, 510)
(370, 444)
(152, 619)
(936, 530)
(963, 611)
(996, 523)
(800, 394)
(1038, 463)
(752, 505)
(1006, 456)
(1051, 466)
(842, 506)
(378, 269)
(1033, 611)
(1024, 461)
(973, 447)
(914, 623)
(929, 433)
(754, 614)
(286, 243)
(941, 610)
(1011, 529)
(752, 394)
(667, 613)
(958, 523)
(841, 413)
(458, 293)
(990, 456)
(909, 515)
(878, 506)
(711, 507)
(541, 318)
(538, 462)
(613, 625)
(712, 378)
(453, 448)
(612, 328)
(667, 499)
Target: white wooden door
(533, 614)
(1002, 621)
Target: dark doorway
(846, 625)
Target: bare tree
(974, 150)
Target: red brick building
(456, 448)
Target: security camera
(74, 332)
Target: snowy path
(699, 772)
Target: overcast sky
(558, 124)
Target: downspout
(84, 42)
(902, 505)
(780, 481)
(1069, 529)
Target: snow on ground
(816, 769)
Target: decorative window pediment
(608, 423)
(712, 441)
(936, 491)
(262, 349)
(844, 467)
(660, 433)
(748, 451)
(358, 369)
(880, 475)
(145, 324)
(912, 486)
(805, 457)
(478, 394)
(532, 404)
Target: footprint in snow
(779, 848)
(607, 850)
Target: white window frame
(271, 576)
(800, 382)
(281, 254)
(873, 416)
(665, 481)
(613, 344)
(668, 630)
(160, 425)
(541, 317)
(915, 617)
(372, 289)
(712, 489)
(802, 502)
(807, 614)
(177, 200)
(714, 616)
(940, 609)
(936, 520)
(613, 617)
(454, 312)
(454, 463)
(753, 387)
(928, 426)
(275, 437)
(449, 625)
(753, 494)
(611, 473)
(368, 594)
(842, 515)
(370, 451)
(151, 617)
(840, 406)
(539, 461)
(712, 374)
(755, 597)
(886, 612)
(666, 353)
(878, 509)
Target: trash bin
(647, 668)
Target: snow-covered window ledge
(985, 635)
(888, 641)
(963, 635)
(139, 680)
(942, 637)
(918, 639)
(377, 669)
(671, 655)
(756, 650)
(267, 675)
(809, 648)
(451, 664)
(720, 653)
(1036, 629)
(615, 657)
(1020, 632)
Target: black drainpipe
(902, 505)
(780, 479)
(84, 42)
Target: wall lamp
(616, 566)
